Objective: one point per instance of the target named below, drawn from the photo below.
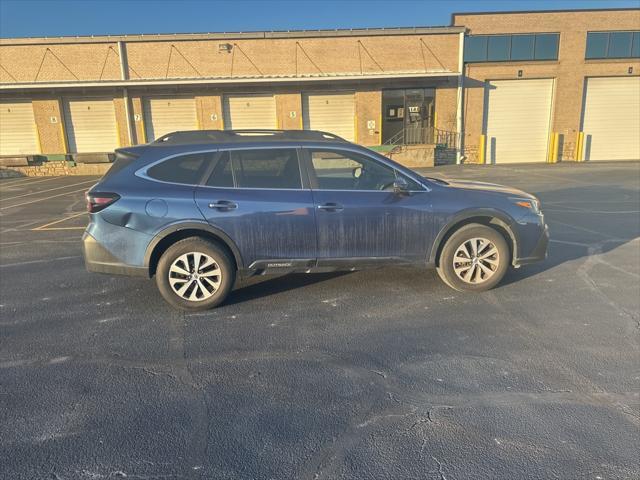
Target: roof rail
(220, 136)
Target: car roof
(230, 137)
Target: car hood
(488, 187)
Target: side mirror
(400, 186)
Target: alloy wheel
(195, 276)
(476, 260)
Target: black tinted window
(221, 176)
(475, 49)
(498, 48)
(268, 168)
(546, 46)
(613, 45)
(186, 169)
(522, 47)
(620, 44)
(597, 45)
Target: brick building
(528, 86)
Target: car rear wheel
(195, 274)
(475, 258)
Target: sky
(40, 18)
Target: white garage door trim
(91, 125)
(18, 131)
(257, 111)
(611, 118)
(517, 120)
(164, 115)
(332, 112)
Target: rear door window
(222, 175)
(188, 169)
(268, 168)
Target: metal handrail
(424, 135)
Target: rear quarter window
(187, 169)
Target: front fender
(497, 217)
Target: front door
(257, 197)
(358, 215)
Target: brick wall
(569, 71)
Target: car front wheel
(475, 258)
(195, 274)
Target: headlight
(532, 204)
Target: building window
(522, 47)
(510, 48)
(613, 45)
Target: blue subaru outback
(196, 209)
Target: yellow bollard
(580, 147)
(556, 144)
(481, 149)
(552, 139)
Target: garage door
(517, 117)
(91, 125)
(18, 134)
(165, 115)
(611, 121)
(330, 112)
(249, 111)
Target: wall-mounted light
(519, 73)
(225, 47)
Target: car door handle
(331, 207)
(223, 205)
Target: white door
(18, 135)
(330, 112)
(164, 115)
(611, 119)
(517, 118)
(91, 125)
(249, 112)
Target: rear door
(358, 214)
(258, 198)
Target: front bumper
(539, 251)
(98, 259)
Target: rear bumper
(98, 259)
(538, 253)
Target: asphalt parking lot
(377, 374)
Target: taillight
(97, 201)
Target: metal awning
(240, 80)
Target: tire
(177, 279)
(481, 274)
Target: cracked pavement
(378, 374)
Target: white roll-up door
(164, 115)
(249, 111)
(330, 112)
(18, 135)
(91, 125)
(517, 116)
(611, 119)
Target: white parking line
(48, 190)
(43, 199)
(46, 226)
(32, 262)
(28, 181)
